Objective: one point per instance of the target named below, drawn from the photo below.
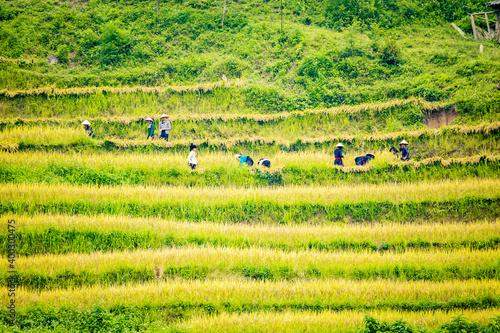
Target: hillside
(330, 53)
(118, 234)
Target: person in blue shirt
(244, 159)
(363, 160)
(88, 129)
(338, 155)
(405, 153)
(164, 127)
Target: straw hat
(163, 116)
(149, 119)
(86, 122)
(403, 142)
(339, 145)
(237, 156)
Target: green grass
(219, 169)
(449, 141)
(309, 65)
(466, 200)
(75, 270)
(64, 234)
(365, 119)
(147, 320)
(235, 295)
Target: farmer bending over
(244, 159)
(88, 129)
(264, 162)
(394, 151)
(363, 160)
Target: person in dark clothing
(244, 159)
(264, 162)
(405, 153)
(151, 128)
(363, 160)
(88, 129)
(338, 155)
(395, 152)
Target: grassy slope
(307, 66)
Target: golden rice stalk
(323, 321)
(344, 109)
(234, 290)
(294, 234)
(19, 61)
(52, 91)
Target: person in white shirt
(192, 161)
(264, 162)
(165, 127)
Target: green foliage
(465, 209)
(372, 325)
(153, 319)
(341, 13)
(53, 240)
(313, 173)
(123, 43)
(115, 44)
(390, 54)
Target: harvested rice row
(61, 234)
(71, 270)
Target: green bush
(390, 54)
(372, 325)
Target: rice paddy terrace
(117, 234)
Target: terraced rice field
(117, 235)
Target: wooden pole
(497, 26)
(157, 8)
(224, 12)
(487, 24)
(281, 8)
(473, 24)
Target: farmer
(244, 159)
(88, 129)
(394, 151)
(165, 127)
(338, 155)
(405, 154)
(363, 160)
(192, 161)
(264, 162)
(151, 129)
